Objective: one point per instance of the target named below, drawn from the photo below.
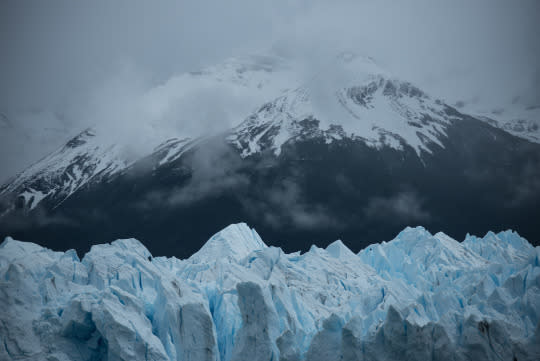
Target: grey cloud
(456, 49)
(526, 184)
(215, 170)
(285, 205)
(40, 218)
(211, 171)
(401, 207)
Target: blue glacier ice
(417, 297)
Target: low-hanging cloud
(212, 169)
(186, 106)
(403, 207)
(284, 204)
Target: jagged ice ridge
(418, 297)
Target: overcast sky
(57, 55)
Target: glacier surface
(417, 297)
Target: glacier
(418, 297)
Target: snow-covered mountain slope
(523, 123)
(354, 98)
(350, 97)
(519, 116)
(418, 297)
(100, 152)
(60, 174)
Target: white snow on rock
(352, 97)
(60, 174)
(418, 297)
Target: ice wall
(418, 297)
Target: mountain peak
(235, 241)
(355, 96)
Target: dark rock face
(312, 192)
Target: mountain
(417, 297)
(360, 102)
(350, 152)
(60, 174)
(95, 154)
